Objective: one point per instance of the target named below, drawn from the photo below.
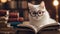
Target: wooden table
(7, 31)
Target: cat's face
(37, 11)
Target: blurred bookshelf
(22, 6)
(13, 5)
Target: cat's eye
(39, 12)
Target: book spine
(12, 20)
(13, 15)
(26, 15)
(13, 4)
(24, 4)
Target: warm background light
(9, 0)
(55, 3)
(3, 1)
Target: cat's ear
(42, 4)
(30, 5)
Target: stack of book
(4, 14)
(14, 19)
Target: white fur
(42, 20)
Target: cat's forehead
(36, 8)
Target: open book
(41, 28)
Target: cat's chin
(37, 19)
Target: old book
(24, 4)
(13, 15)
(19, 4)
(13, 5)
(3, 12)
(36, 30)
(26, 18)
(12, 19)
(20, 19)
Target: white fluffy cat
(39, 16)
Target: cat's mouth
(37, 18)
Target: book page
(29, 26)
